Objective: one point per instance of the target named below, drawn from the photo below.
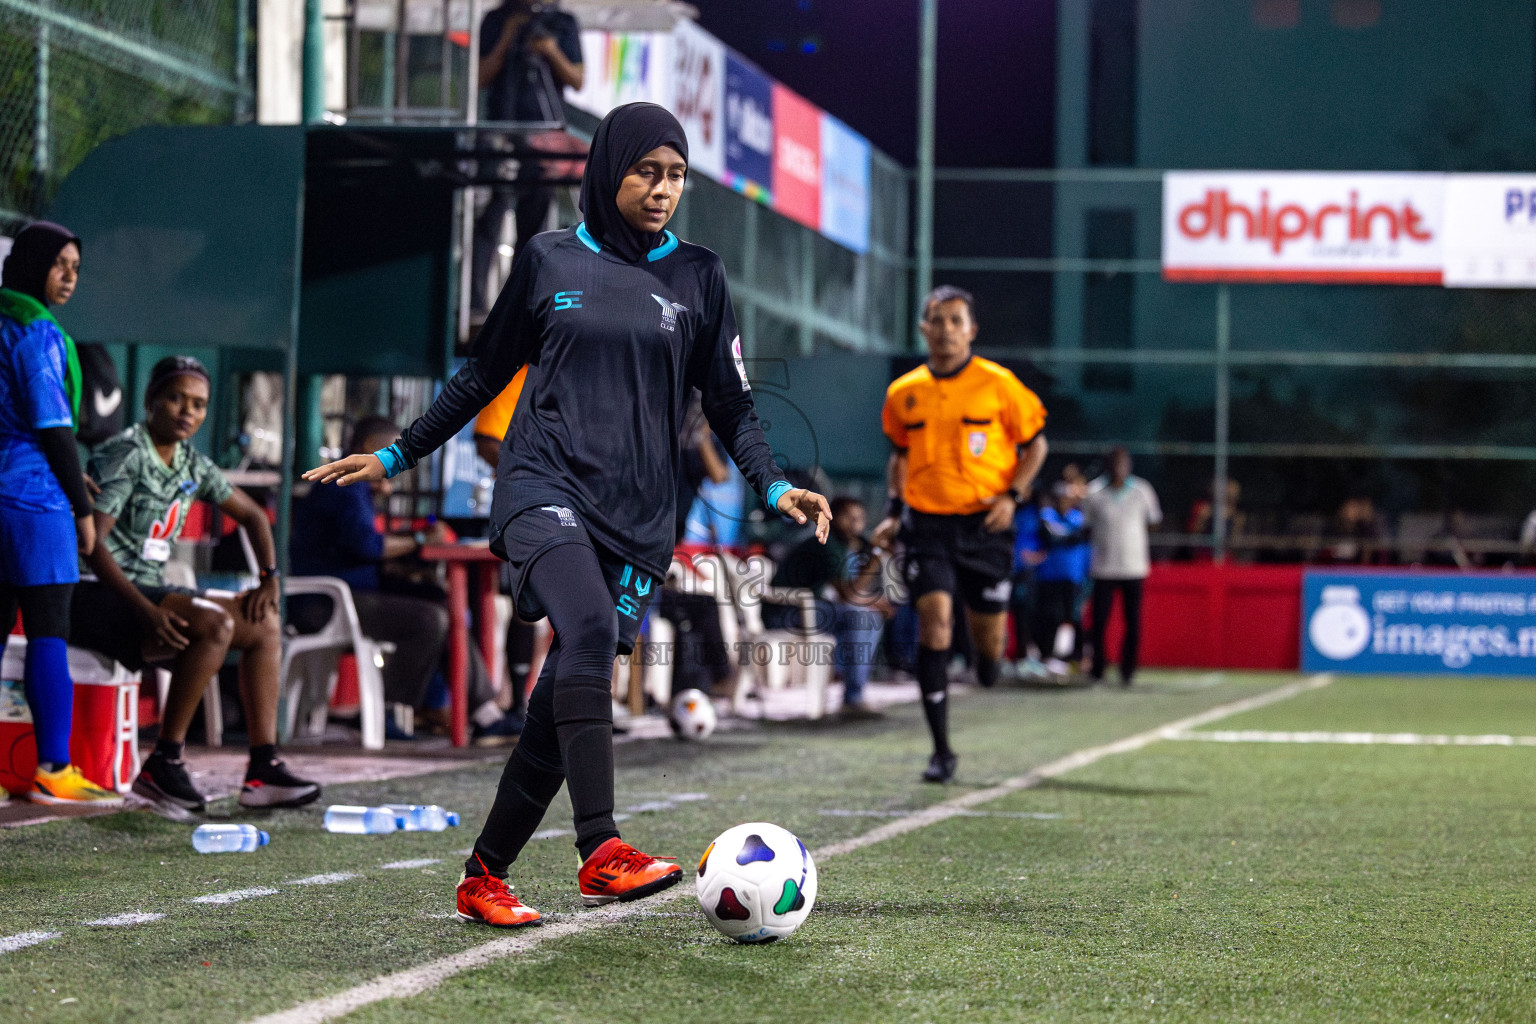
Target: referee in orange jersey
(969, 439)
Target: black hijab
(626, 134)
(32, 254)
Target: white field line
(132, 917)
(403, 984)
(21, 940)
(233, 896)
(330, 879)
(406, 865)
(1398, 739)
(837, 812)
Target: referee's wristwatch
(1019, 497)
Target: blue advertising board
(845, 159)
(748, 128)
(1418, 623)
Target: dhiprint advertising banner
(1279, 226)
(1418, 623)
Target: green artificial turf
(1186, 881)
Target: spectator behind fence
(1021, 600)
(1361, 533)
(1119, 509)
(1062, 531)
(45, 509)
(149, 477)
(529, 53)
(845, 574)
(335, 533)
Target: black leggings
(568, 735)
(44, 609)
(1130, 607)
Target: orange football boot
(618, 871)
(489, 900)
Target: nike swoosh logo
(107, 404)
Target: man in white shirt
(1119, 509)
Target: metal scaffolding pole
(927, 89)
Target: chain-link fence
(74, 73)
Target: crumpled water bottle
(360, 820)
(228, 838)
(423, 818)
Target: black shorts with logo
(958, 555)
(104, 621)
(532, 532)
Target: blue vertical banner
(1419, 623)
(845, 161)
(748, 129)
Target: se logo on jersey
(567, 300)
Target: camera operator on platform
(529, 53)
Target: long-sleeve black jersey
(613, 349)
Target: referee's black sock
(987, 671)
(584, 727)
(932, 681)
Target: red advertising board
(796, 157)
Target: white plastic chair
(779, 657)
(340, 634)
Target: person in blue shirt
(45, 509)
(1063, 538)
(335, 533)
(1021, 600)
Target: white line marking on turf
(1400, 739)
(545, 833)
(837, 812)
(1060, 766)
(407, 983)
(21, 940)
(406, 865)
(124, 920)
(330, 879)
(233, 896)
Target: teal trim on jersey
(775, 492)
(394, 463)
(662, 250)
(586, 237)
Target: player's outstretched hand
(799, 503)
(349, 470)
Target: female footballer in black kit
(618, 321)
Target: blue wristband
(775, 492)
(394, 462)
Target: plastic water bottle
(422, 818)
(228, 838)
(360, 820)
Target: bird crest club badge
(977, 442)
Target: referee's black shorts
(957, 554)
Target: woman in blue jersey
(45, 510)
(618, 322)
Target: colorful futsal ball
(757, 882)
(693, 715)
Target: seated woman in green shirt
(149, 477)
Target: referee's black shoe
(941, 768)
